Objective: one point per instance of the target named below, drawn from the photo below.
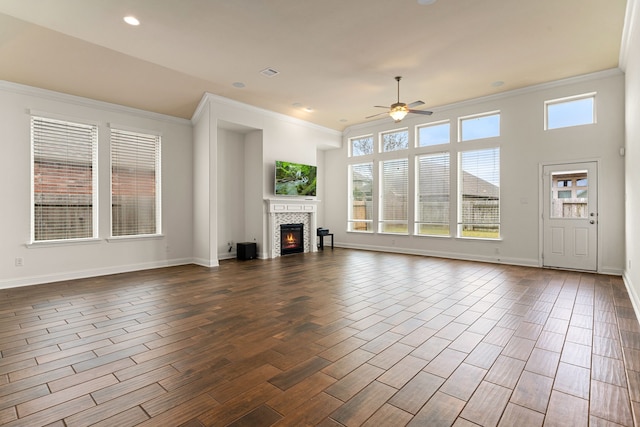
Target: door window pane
(564, 203)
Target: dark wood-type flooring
(334, 338)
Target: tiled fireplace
(294, 211)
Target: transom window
(394, 140)
(433, 134)
(361, 146)
(572, 111)
(479, 126)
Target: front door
(570, 216)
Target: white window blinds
(432, 216)
(394, 195)
(479, 209)
(135, 183)
(64, 178)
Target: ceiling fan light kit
(399, 110)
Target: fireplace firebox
(291, 238)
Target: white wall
(231, 189)
(631, 54)
(525, 145)
(268, 137)
(51, 263)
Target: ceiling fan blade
(415, 104)
(380, 106)
(375, 115)
(423, 112)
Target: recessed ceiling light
(426, 2)
(131, 20)
(344, 120)
(296, 104)
(497, 83)
(308, 109)
(239, 85)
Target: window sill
(56, 243)
(118, 239)
(483, 239)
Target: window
(361, 197)
(564, 183)
(480, 126)
(395, 140)
(573, 111)
(433, 134)
(569, 203)
(135, 183)
(432, 205)
(361, 146)
(64, 180)
(479, 198)
(394, 189)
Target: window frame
(157, 161)
(93, 131)
(486, 114)
(362, 137)
(417, 223)
(460, 196)
(432, 125)
(382, 220)
(381, 145)
(351, 221)
(569, 100)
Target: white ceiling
(338, 57)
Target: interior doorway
(570, 216)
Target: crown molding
(87, 102)
(613, 72)
(220, 100)
(629, 21)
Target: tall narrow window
(64, 180)
(432, 204)
(361, 197)
(479, 198)
(394, 189)
(135, 183)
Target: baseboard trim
(523, 262)
(83, 274)
(633, 295)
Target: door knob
(592, 222)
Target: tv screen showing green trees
(295, 179)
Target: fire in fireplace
(291, 238)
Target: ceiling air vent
(269, 72)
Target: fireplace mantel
(279, 206)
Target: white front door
(570, 216)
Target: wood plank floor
(334, 338)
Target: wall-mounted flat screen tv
(295, 179)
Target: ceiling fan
(399, 110)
